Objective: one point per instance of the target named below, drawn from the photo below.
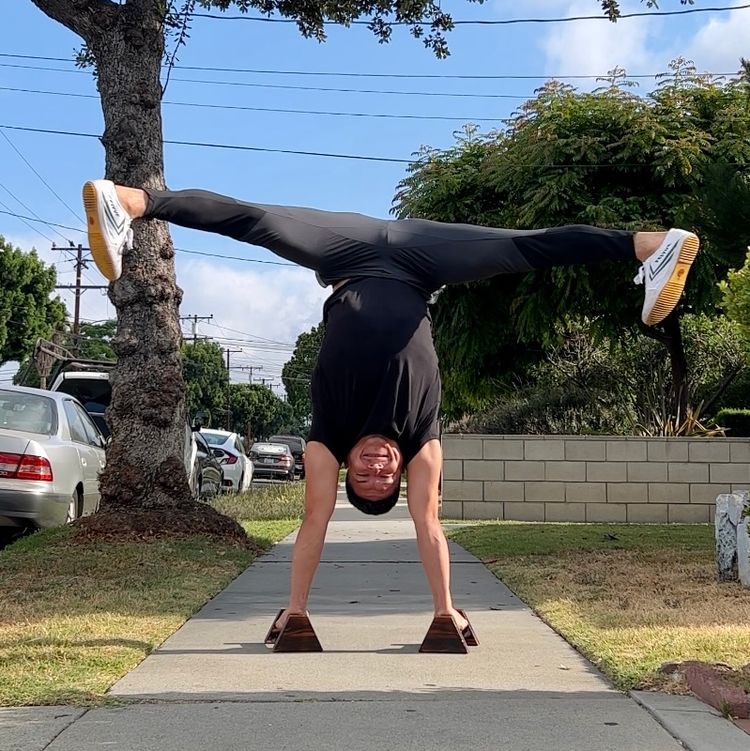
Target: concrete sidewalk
(213, 684)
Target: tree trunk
(145, 465)
(670, 336)
(145, 469)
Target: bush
(735, 421)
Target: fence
(590, 478)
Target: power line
(30, 226)
(358, 74)
(45, 183)
(390, 115)
(481, 22)
(235, 147)
(28, 208)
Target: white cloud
(594, 47)
(720, 43)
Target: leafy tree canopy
(27, 311)
(94, 340)
(297, 372)
(258, 413)
(206, 381)
(608, 158)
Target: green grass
(76, 618)
(629, 597)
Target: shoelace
(640, 277)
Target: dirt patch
(144, 525)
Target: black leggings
(426, 254)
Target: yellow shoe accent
(97, 244)
(673, 289)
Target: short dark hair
(372, 507)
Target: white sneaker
(109, 226)
(664, 274)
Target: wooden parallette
(444, 636)
(297, 635)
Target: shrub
(735, 421)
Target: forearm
(308, 549)
(433, 550)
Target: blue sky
(250, 301)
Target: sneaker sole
(672, 291)
(97, 244)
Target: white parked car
(228, 449)
(51, 454)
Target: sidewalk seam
(62, 730)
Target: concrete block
(565, 471)
(739, 473)
(545, 491)
(647, 471)
(708, 450)
(461, 447)
(706, 493)
(648, 513)
(504, 491)
(525, 512)
(585, 450)
(606, 512)
(667, 450)
(482, 470)
(668, 492)
(687, 472)
(453, 469)
(626, 450)
(565, 512)
(694, 513)
(586, 492)
(524, 470)
(544, 449)
(507, 448)
(462, 490)
(627, 492)
(483, 510)
(739, 450)
(606, 471)
(452, 510)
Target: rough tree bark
(145, 463)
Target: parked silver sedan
(51, 454)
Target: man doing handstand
(376, 384)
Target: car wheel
(73, 507)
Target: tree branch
(82, 17)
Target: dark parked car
(207, 478)
(272, 460)
(297, 446)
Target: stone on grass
(743, 552)
(729, 507)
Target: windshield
(214, 439)
(28, 413)
(270, 448)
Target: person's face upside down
(374, 467)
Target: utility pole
(195, 320)
(251, 368)
(79, 288)
(229, 352)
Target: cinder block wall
(590, 478)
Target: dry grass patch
(76, 618)
(629, 597)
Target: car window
(92, 433)
(214, 439)
(29, 413)
(239, 448)
(77, 431)
(201, 443)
